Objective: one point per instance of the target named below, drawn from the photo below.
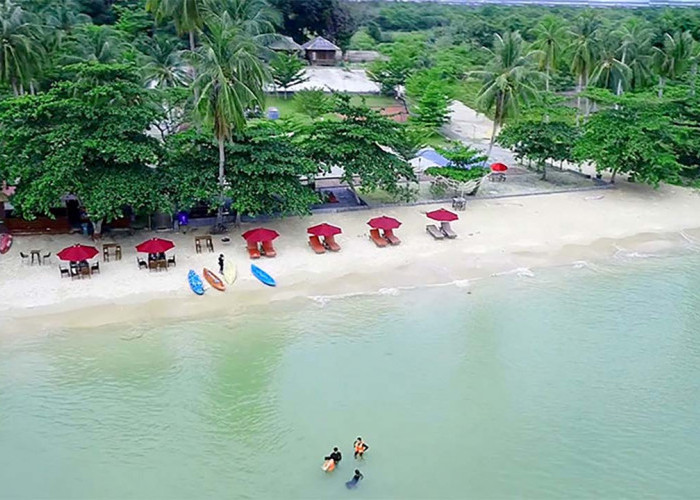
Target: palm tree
(230, 79)
(187, 15)
(671, 60)
(64, 15)
(21, 52)
(550, 34)
(694, 61)
(584, 49)
(163, 65)
(509, 79)
(635, 51)
(609, 72)
(90, 43)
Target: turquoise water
(574, 383)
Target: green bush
(458, 174)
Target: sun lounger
(447, 230)
(391, 237)
(378, 240)
(316, 245)
(64, 271)
(331, 244)
(268, 249)
(253, 250)
(141, 262)
(435, 232)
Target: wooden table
(207, 241)
(106, 249)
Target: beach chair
(447, 230)
(171, 260)
(253, 250)
(268, 249)
(75, 272)
(316, 245)
(435, 232)
(24, 258)
(64, 271)
(141, 263)
(95, 268)
(152, 265)
(376, 238)
(331, 244)
(391, 237)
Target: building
(321, 52)
(286, 44)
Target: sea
(581, 381)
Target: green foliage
(458, 174)
(287, 70)
(462, 156)
(431, 110)
(329, 18)
(84, 137)
(313, 102)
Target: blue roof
(434, 156)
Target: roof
(319, 43)
(434, 157)
(285, 43)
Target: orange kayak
(213, 280)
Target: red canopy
(384, 222)
(77, 253)
(260, 234)
(324, 230)
(498, 167)
(155, 245)
(442, 215)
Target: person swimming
(335, 455)
(355, 480)
(360, 447)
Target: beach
(495, 236)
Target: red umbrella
(442, 215)
(499, 167)
(155, 245)
(77, 253)
(384, 222)
(324, 230)
(260, 234)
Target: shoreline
(495, 237)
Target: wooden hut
(286, 44)
(321, 52)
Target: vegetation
(287, 70)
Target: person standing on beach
(221, 263)
(360, 447)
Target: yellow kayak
(229, 271)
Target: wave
(521, 272)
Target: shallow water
(572, 383)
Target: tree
(635, 51)
(97, 44)
(672, 59)
(287, 70)
(162, 63)
(403, 61)
(551, 34)
(313, 102)
(611, 73)
(87, 137)
(230, 81)
(431, 109)
(584, 49)
(509, 80)
(365, 144)
(328, 18)
(21, 52)
(462, 156)
(188, 15)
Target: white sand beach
(498, 235)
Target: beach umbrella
(77, 253)
(155, 245)
(442, 215)
(384, 222)
(324, 230)
(260, 234)
(498, 167)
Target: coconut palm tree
(64, 15)
(610, 72)
(90, 43)
(694, 61)
(187, 15)
(21, 51)
(162, 62)
(635, 51)
(509, 79)
(584, 50)
(672, 59)
(550, 36)
(230, 79)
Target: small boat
(195, 282)
(5, 242)
(262, 275)
(213, 280)
(229, 272)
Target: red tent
(384, 222)
(442, 215)
(155, 245)
(77, 253)
(498, 167)
(324, 230)
(260, 234)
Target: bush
(458, 174)
(313, 102)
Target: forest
(159, 104)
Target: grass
(286, 105)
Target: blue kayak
(195, 282)
(262, 275)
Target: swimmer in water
(355, 479)
(335, 455)
(360, 447)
